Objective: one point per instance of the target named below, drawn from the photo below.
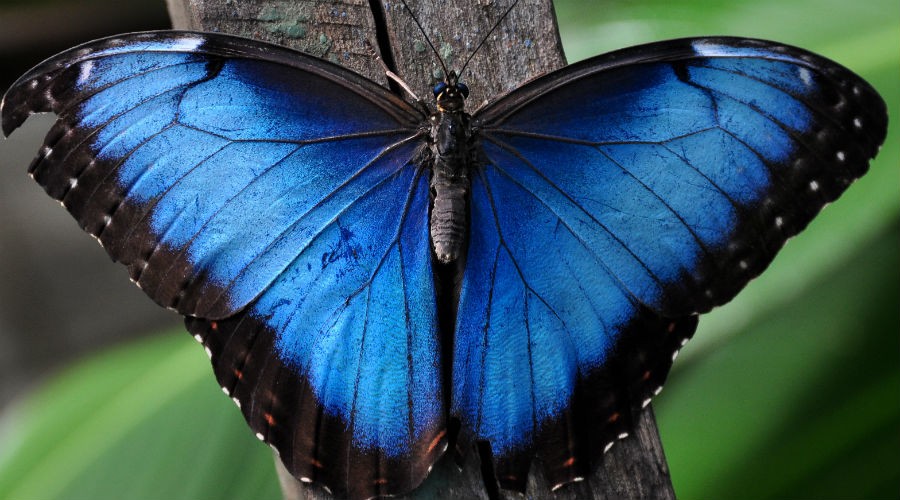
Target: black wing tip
(11, 121)
(30, 94)
(855, 87)
(24, 98)
(843, 149)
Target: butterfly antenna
(436, 53)
(486, 36)
(390, 74)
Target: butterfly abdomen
(450, 150)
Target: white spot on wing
(188, 44)
(260, 436)
(706, 49)
(806, 76)
(84, 73)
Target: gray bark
(525, 45)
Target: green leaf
(803, 403)
(143, 421)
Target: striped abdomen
(449, 184)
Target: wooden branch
(333, 30)
(525, 45)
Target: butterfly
(287, 207)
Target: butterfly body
(597, 210)
(452, 157)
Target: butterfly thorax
(451, 148)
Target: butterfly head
(451, 94)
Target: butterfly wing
(273, 199)
(618, 198)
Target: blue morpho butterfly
(297, 213)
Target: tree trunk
(525, 45)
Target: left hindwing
(616, 199)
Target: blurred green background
(790, 391)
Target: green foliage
(793, 390)
(803, 403)
(142, 422)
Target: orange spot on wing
(570, 462)
(612, 418)
(646, 375)
(437, 440)
(214, 325)
(381, 481)
(269, 419)
(315, 463)
(238, 373)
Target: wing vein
(335, 314)
(491, 131)
(571, 230)
(656, 195)
(333, 219)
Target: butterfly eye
(440, 87)
(463, 88)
